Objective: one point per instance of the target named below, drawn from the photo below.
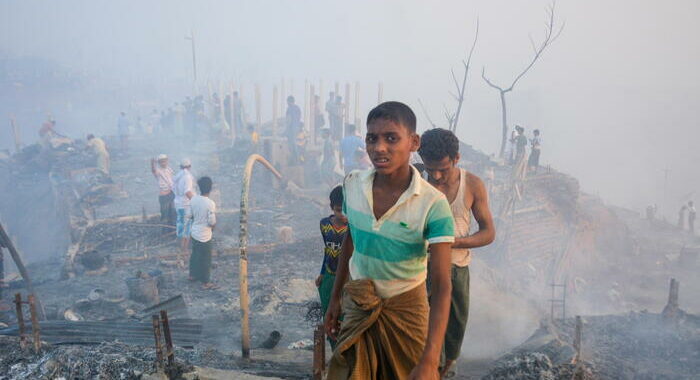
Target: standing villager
(179, 120)
(510, 148)
(394, 217)
(293, 127)
(238, 115)
(164, 175)
(333, 230)
(348, 146)
(520, 144)
(123, 130)
(533, 161)
(99, 149)
(467, 196)
(202, 213)
(183, 187)
(691, 217)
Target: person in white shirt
(183, 188)
(202, 213)
(164, 175)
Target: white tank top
(461, 257)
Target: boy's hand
(424, 371)
(331, 324)
(318, 280)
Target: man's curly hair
(438, 143)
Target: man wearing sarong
(394, 216)
(467, 195)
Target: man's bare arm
(341, 277)
(482, 214)
(440, 293)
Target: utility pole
(194, 59)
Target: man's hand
(318, 280)
(331, 324)
(424, 371)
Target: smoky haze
(615, 97)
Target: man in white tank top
(467, 196)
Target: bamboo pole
(243, 247)
(346, 111)
(258, 115)
(275, 111)
(20, 321)
(7, 243)
(380, 93)
(357, 107)
(306, 104)
(283, 99)
(230, 110)
(35, 323)
(312, 111)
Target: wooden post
(15, 134)
(20, 320)
(156, 335)
(258, 115)
(319, 361)
(6, 242)
(380, 93)
(35, 324)
(577, 338)
(283, 99)
(275, 114)
(357, 107)
(230, 111)
(169, 353)
(307, 125)
(346, 111)
(312, 112)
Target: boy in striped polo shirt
(395, 217)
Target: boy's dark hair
(336, 196)
(204, 184)
(438, 143)
(396, 112)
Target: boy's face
(443, 171)
(389, 145)
(338, 213)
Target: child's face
(338, 213)
(389, 145)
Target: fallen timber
(185, 332)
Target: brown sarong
(379, 338)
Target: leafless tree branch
(425, 113)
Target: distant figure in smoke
(681, 217)
(202, 214)
(183, 188)
(293, 126)
(520, 144)
(319, 121)
(227, 109)
(330, 110)
(238, 115)
(333, 230)
(348, 146)
(154, 121)
(99, 148)
(535, 144)
(691, 217)
(179, 119)
(329, 161)
(164, 175)
(123, 130)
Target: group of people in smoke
(516, 148)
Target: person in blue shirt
(348, 146)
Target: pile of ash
(634, 345)
(104, 361)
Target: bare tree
(453, 117)
(549, 37)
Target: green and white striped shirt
(392, 251)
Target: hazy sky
(616, 97)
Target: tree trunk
(504, 137)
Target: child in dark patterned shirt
(333, 230)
